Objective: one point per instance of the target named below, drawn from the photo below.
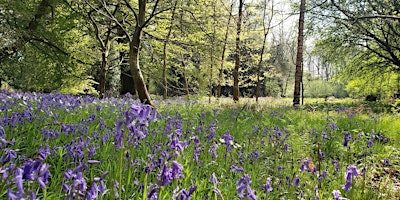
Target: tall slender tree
(266, 29)
(237, 53)
(166, 41)
(299, 58)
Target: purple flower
(11, 195)
(153, 192)
(336, 164)
(196, 153)
(297, 181)
(234, 168)
(386, 162)
(346, 187)
(214, 179)
(243, 188)
(213, 150)
(165, 176)
(176, 170)
(93, 162)
(8, 156)
(267, 186)
(2, 132)
(324, 174)
(336, 194)
(347, 138)
(18, 180)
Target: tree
(166, 41)
(299, 57)
(135, 38)
(266, 29)
(26, 34)
(370, 28)
(237, 53)
(221, 68)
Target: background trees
(190, 47)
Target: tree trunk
(266, 31)
(134, 48)
(212, 54)
(164, 72)
(103, 71)
(138, 79)
(237, 54)
(221, 69)
(185, 80)
(299, 58)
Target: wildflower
(297, 181)
(153, 192)
(242, 185)
(176, 170)
(217, 191)
(346, 187)
(196, 153)
(93, 162)
(18, 180)
(214, 179)
(324, 174)
(235, 168)
(336, 164)
(8, 156)
(347, 138)
(386, 162)
(2, 132)
(336, 194)
(267, 186)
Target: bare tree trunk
(185, 75)
(299, 58)
(212, 53)
(221, 69)
(164, 72)
(138, 79)
(266, 32)
(237, 54)
(134, 48)
(103, 73)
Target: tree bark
(299, 57)
(266, 32)
(164, 72)
(134, 49)
(103, 73)
(237, 54)
(221, 69)
(212, 54)
(134, 46)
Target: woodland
(202, 48)
(200, 99)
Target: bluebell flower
(336, 194)
(19, 181)
(214, 179)
(243, 188)
(2, 132)
(267, 186)
(8, 156)
(297, 181)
